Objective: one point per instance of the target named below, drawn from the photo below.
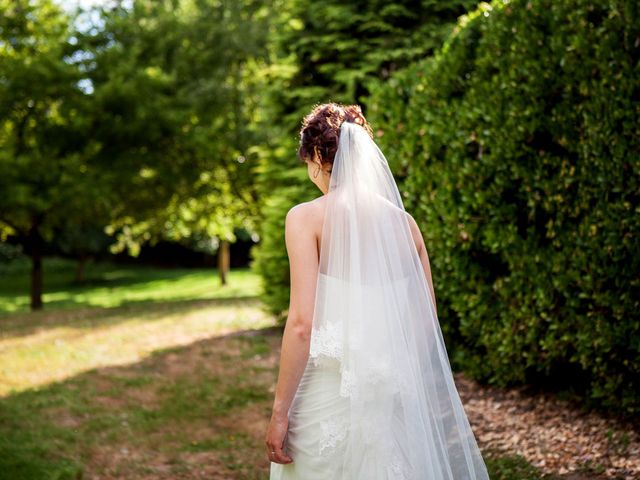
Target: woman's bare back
(315, 214)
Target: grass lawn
(132, 387)
(108, 285)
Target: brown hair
(321, 129)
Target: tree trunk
(224, 260)
(80, 268)
(35, 244)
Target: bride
(364, 390)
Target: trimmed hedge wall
(520, 141)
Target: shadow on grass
(61, 277)
(194, 412)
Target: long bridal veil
(374, 314)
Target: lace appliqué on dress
(325, 341)
(377, 372)
(398, 470)
(347, 383)
(333, 432)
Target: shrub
(520, 139)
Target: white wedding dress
(319, 415)
(377, 399)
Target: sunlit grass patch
(65, 346)
(109, 285)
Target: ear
(316, 157)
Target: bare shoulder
(415, 231)
(412, 222)
(304, 214)
(300, 231)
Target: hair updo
(321, 130)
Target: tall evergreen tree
(329, 51)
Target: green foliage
(44, 169)
(340, 47)
(134, 117)
(173, 106)
(10, 254)
(521, 139)
(270, 260)
(327, 51)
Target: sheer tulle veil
(375, 315)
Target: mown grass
(146, 389)
(191, 412)
(117, 321)
(107, 285)
(148, 420)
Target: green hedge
(520, 140)
(283, 183)
(269, 258)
